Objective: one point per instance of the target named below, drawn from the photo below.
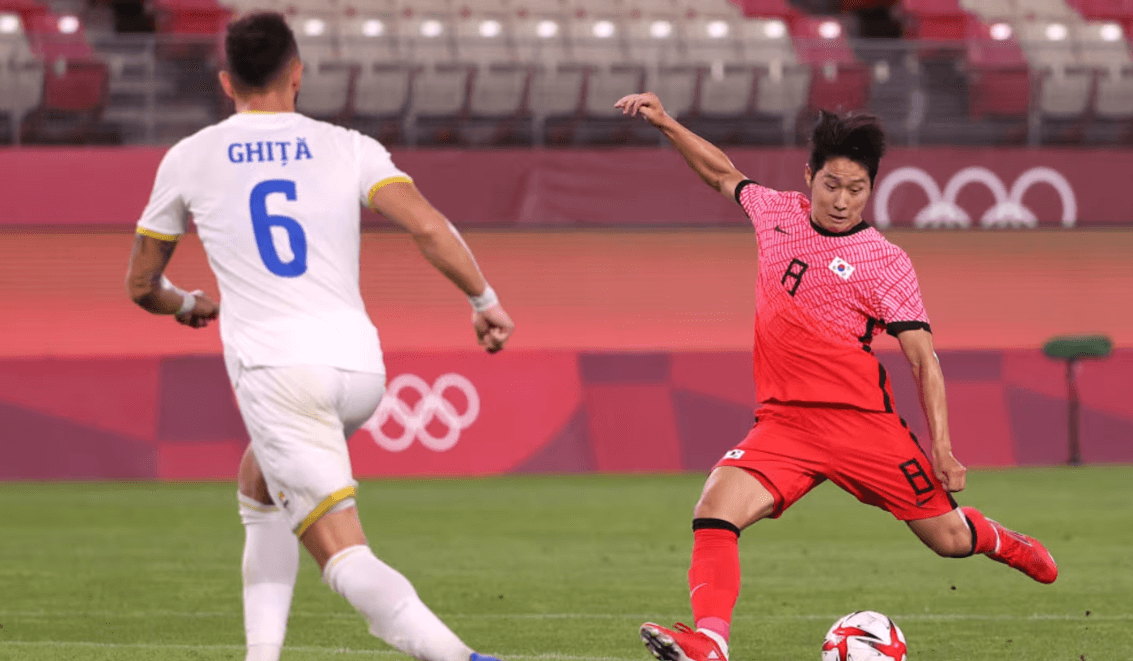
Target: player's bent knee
(734, 495)
(250, 480)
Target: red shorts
(792, 449)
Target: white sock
(719, 640)
(390, 604)
(271, 562)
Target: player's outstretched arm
(152, 291)
(705, 158)
(917, 347)
(443, 246)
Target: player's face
(838, 193)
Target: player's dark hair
(259, 47)
(858, 137)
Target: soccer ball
(864, 636)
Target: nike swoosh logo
(922, 503)
(696, 588)
(781, 230)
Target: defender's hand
(202, 313)
(493, 328)
(647, 105)
(948, 469)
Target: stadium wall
(632, 354)
(466, 413)
(107, 187)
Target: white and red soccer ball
(864, 636)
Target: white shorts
(299, 418)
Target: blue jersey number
(262, 222)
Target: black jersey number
(794, 272)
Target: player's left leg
(330, 529)
(269, 567)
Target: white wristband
(486, 300)
(188, 302)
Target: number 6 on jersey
(262, 222)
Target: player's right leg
(749, 484)
(269, 567)
(299, 427)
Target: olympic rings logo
(431, 406)
(942, 210)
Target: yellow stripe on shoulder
(323, 507)
(158, 235)
(399, 179)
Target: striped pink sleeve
(758, 202)
(898, 297)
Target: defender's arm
(918, 349)
(148, 287)
(705, 158)
(443, 246)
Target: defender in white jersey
(275, 197)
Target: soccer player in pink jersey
(828, 282)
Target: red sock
(985, 538)
(714, 576)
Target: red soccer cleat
(681, 644)
(1024, 553)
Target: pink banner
(933, 187)
(466, 413)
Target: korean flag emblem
(842, 268)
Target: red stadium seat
(839, 80)
(999, 78)
(190, 17)
(767, 8)
(76, 79)
(934, 19)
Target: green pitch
(565, 569)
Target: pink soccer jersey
(820, 299)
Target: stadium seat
(382, 91)
(426, 38)
(652, 39)
(838, 79)
(484, 38)
(934, 19)
(711, 40)
(556, 100)
(999, 79)
(414, 8)
(540, 38)
(76, 79)
(990, 11)
(1044, 9)
(1105, 50)
(782, 83)
(21, 74)
(767, 9)
(597, 39)
(368, 40)
(1103, 10)
(676, 86)
(1064, 87)
(440, 90)
(190, 17)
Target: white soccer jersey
(276, 199)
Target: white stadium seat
(382, 92)
(1103, 46)
(440, 90)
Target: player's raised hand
(951, 473)
(202, 313)
(646, 104)
(493, 328)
